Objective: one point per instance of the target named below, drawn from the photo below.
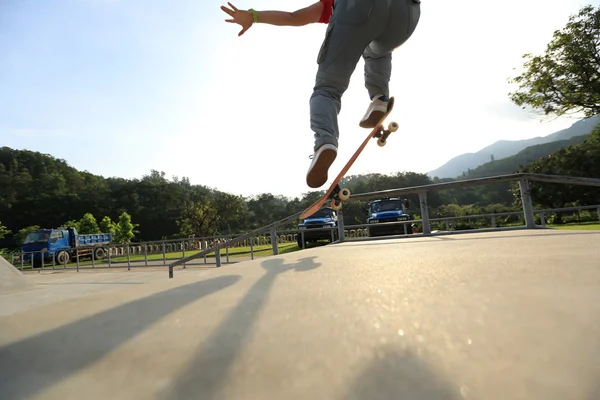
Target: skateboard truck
(338, 196)
(382, 134)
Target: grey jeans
(368, 28)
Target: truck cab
(62, 244)
(319, 226)
(387, 210)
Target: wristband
(254, 15)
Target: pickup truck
(64, 244)
(318, 227)
(388, 210)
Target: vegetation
(565, 79)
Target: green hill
(515, 163)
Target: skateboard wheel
(344, 194)
(393, 126)
(336, 204)
(381, 142)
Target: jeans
(372, 29)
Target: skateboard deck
(338, 195)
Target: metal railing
(215, 244)
(522, 178)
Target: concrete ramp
(11, 279)
(485, 316)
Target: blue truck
(318, 227)
(387, 210)
(64, 244)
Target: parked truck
(64, 244)
(387, 210)
(319, 226)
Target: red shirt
(327, 11)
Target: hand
(242, 18)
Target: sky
(122, 87)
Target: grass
(581, 226)
(237, 252)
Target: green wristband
(254, 15)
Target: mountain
(506, 148)
(512, 164)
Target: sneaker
(321, 161)
(375, 112)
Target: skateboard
(338, 195)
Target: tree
(88, 225)
(107, 226)
(566, 78)
(124, 229)
(199, 218)
(582, 160)
(3, 231)
(72, 223)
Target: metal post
(424, 213)
(23, 254)
(493, 221)
(341, 229)
(252, 248)
(527, 203)
(543, 219)
(164, 253)
(183, 251)
(341, 233)
(274, 241)
(109, 253)
(447, 225)
(146, 254)
(218, 257)
(128, 259)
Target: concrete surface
(510, 315)
(11, 279)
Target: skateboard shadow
(35, 363)
(399, 374)
(208, 371)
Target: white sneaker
(375, 112)
(322, 160)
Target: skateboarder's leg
(404, 17)
(353, 26)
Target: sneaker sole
(318, 175)
(373, 119)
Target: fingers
(243, 31)
(227, 10)
(232, 6)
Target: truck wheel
(62, 258)
(99, 253)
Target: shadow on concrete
(209, 369)
(400, 374)
(31, 365)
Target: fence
(268, 235)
